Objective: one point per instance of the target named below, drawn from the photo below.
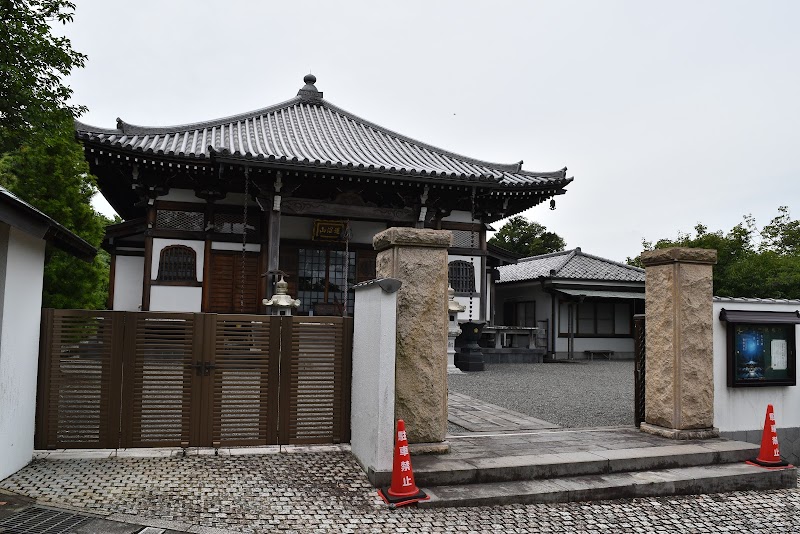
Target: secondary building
(585, 302)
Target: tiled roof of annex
(309, 130)
(570, 264)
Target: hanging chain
(244, 238)
(472, 258)
(347, 235)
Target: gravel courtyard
(570, 394)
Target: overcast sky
(666, 114)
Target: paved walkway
(327, 492)
(478, 416)
(322, 489)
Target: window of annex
(595, 318)
(177, 266)
(461, 275)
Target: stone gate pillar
(418, 258)
(679, 376)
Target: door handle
(208, 367)
(198, 366)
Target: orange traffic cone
(403, 489)
(770, 454)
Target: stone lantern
(453, 330)
(281, 302)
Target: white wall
(476, 300)
(744, 408)
(128, 277)
(237, 247)
(21, 272)
(176, 298)
(372, 400)
(301, 228)
(621, 345)
(364, 231)
(187, 195)
(181, 195)
(460, 216)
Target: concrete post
(372, 400)
(679, 378)
(418, 258)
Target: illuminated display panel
(761, 348)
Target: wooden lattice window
(178, 263)
(189, 221)
(461, 275)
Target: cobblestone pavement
(327, 492)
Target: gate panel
(158, 378)
(245, 379)
(639, 368)
(79, 397)
(312, 380)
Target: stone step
(652, 483)
(439, 470)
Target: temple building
(215, 211)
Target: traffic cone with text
(403, 489)
(770, 453)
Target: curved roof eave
(310, 131)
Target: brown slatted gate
(79, 379)
(150, 379)
(315, 380)
(245, 379)
(157, 393)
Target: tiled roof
(17, 212)
(570, 264)
(309, 130)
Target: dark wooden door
(227, 290)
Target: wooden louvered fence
(148, 379)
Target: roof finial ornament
(309, 90)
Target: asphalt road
(570, 394)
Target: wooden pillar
(148, 258)
(264, 285)
(274, 229)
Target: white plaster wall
(745, 408)
(187, 195)
(128, 278)
(296, 227)
(302, 227)
(476, 300)
(176, 298)
(160, 243)
(460, 216)
(181, 195)
(596, 343)
(22, 257)
(223, 245)
(364, 231)
(373, 385)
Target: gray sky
(667, 114)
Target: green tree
(782, 234)
(33, 96)
(528, 238)
(51, 173)
(770, 269)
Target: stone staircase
(674, 468)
